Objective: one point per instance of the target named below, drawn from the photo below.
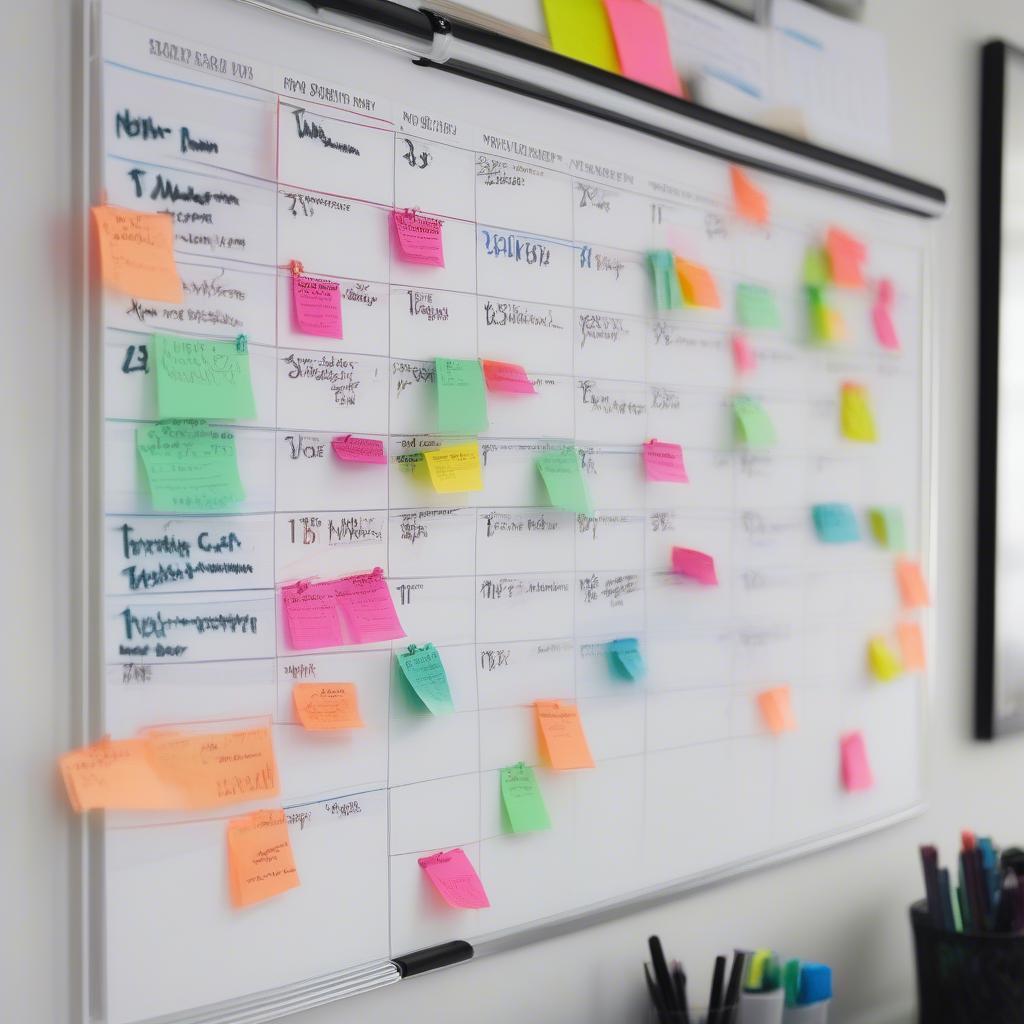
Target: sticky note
(885, 331)
(641, 44)
(883, 661)
(835, 523)
(311, 616)
(137, 253)
(749, 201)
(911, 646)
(563, 477)
(667, 293)
(697, 284)
(522, 799)
(846, 256)
(189, 466)
(367, 610)
(855, 768)
(560, 732)
(855, 417)
(260, 860)
(455, 878)
(424, 672)
(816, 271)
(625, 659)
(359, 449)
(695, 564)
(507, 378)
(663, 461)
(826, 323)
(744, 357)
(776, 709)
(202, 379)
(579, 29)
(455, 468)
(756, 307)
(327, 706)
(461, 399)
(316, 306)
(913, 589)
(115, 775)
(887, 527)
(419, 239)
(753, 426)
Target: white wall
(846, 906)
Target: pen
(732, 992)
(661, 973)
(679, 984)
(717, 981)
(659, 1006)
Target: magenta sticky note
(455, 878)
(419, 239)
(508, 377)
(885, 331)
(367, 609)
(316, 305)
(641, 43)
(695, 564)
(359, 449)
(743, 355)
(856, 769)
(885, 292)
(311, 616)
(664, 462)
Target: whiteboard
(519, 597)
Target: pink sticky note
(508, 377)
(884, 329)
(359, 449)
(695, 564)
(856, 769)
(419, 238)
(367, 609)
(316, 304)
(885, 292)
(743, 356)
(664, 461)
(642, 44)
(311, 614)
(455, 878)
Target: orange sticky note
(911, 646)
(699, 288)
(260, 859)
(913, 589)
(561, 735)
(323, 706)
(846, 256)
(116, 775)
(750, 202)
(137, 253)
(776, 709)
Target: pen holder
(762, 1007)
(697, 1015)
(966, 978)
(811, 1013)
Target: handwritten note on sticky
(835, 523)
(359, 449)
(667, 293)
(776, 709)
(202, 379)
(116, 775)
(846, 257)
(911, 646)
(367, 611)
(697, 565)
(327, 706)
(455, 878)
(625, 659)
(697, 284)
(507, 378)
(641, 43)
(883, 661)
(316, 306)
(424, 672)
(854, 765)
(663, 462)
(190, 466)
(749, 201)
(913, 589)
(260, 860)
(311, 616)
(461, 398)
(754, 428)
(522, 799)
(137, 253)
(562, 742)
(455, 468)
(756, 307)
(563, 477)
(856, 419)
(744, 357)
(419, 239)
(579, 29)
(887, 527)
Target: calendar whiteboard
(520, 598)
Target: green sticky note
(816, 268)
(580, 29)
(887, 527)
(424, 672)
(522, 799)
(756, 307)
(190, 466)
(667, 293)
(563, 478)
(753, 426)
(461, 397)
(201, 380)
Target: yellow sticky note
(137, 253)
(456, 467)
(911, 646)
(699, 288)
(776, 709)
(827, 323)
(883, 661)
(913, 589)
(580, 29)
(562, 741)
(855, 416)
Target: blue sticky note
(835, 523)
(625, 659)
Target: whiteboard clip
(242, 343)
(296, 267)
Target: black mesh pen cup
(967, 978)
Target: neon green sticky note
(424, 672)
(580, 29)
(200, 380)
(816, 268)
(883, 661)
(887, 527)
(461, 396)
(753, 425)
(756, 307)
(522, 799)
(856, 419)
(826, 322)
(190, 466)
(667, 292)
(563, 477)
